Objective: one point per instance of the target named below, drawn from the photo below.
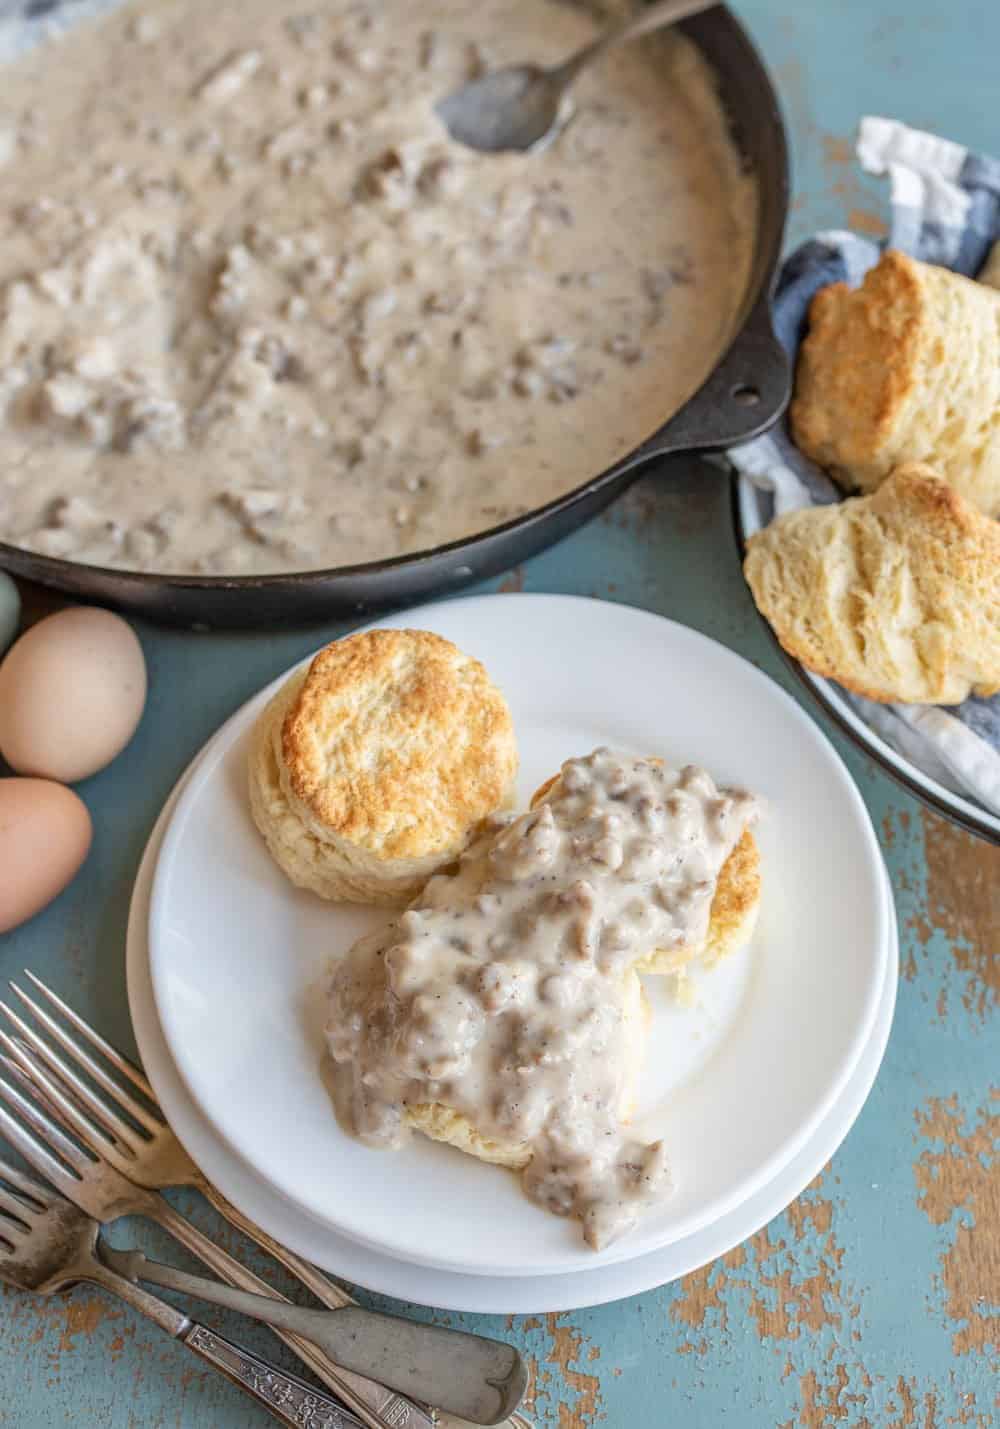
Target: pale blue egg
(10, 610)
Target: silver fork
(47, 1244)
(473, 1376)
(155, 1160)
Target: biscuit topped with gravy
(376, 767)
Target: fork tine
(27, 1185)
(52, 1099)
(12, 1230)
(35, 1093)
(15, 1210)
(33, 1151)
(41, 1056)
(52, 1109)
(40, 1141)
(108, 1084)
(127, 1068)
(31, 1089)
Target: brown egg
(72, 691)
(45, 832)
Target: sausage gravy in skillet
(259, 314)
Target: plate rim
(234, 727)
(562, 1294)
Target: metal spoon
(521, 106)
(476, 1379)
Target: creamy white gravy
(503, 993)
(258, 313)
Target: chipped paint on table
(874, 1301)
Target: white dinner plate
(443, 1289)
(239, 958)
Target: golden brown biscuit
(905, 368)
(733, 915)
(374, 769)
(895, 596)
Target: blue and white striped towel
(945, 209)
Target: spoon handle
(652, 17)
(287, 1398)
(478, 1379)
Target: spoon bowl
(523, 107)
(516, 108)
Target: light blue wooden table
(874, 1302)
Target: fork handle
(374, 1405)
(287, 1398)
(325, 1290)
(478, 1379)
(372, 1402)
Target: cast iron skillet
(743, 396)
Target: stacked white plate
(753, 1087)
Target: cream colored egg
(72, 691)
(45, 833)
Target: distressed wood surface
(874, 1301)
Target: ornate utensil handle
(376, 1406)
(394, 1408)
(475, 1378)
(290, 1400)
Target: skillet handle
(744, 396)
